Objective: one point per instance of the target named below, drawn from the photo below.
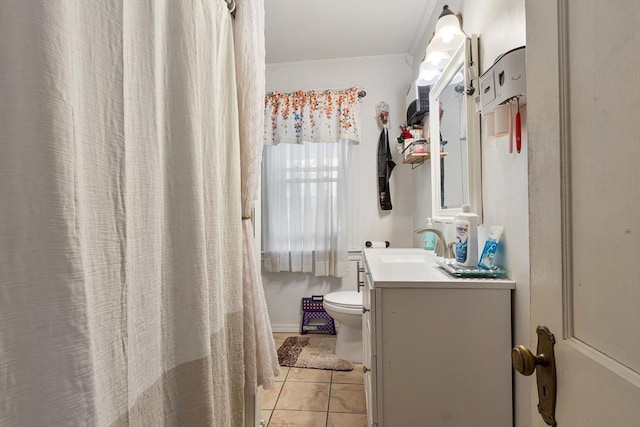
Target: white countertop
(416, 268)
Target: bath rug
(315, 351)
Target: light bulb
(427, 74)
(447, 35)
(435, 57)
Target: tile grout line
(332, 380)
(326, 421)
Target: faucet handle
(450, 252)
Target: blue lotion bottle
(429, 237)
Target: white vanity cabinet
(436, 348)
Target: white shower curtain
(120, 214)
(261, 359)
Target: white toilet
(346, 309)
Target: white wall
(284, 293)
(421, 178)
(500, 25)
(384, 78)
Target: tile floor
(314, 397)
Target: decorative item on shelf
(418, 147)
(412, 145)
(416, 153)
(421, 146)
(408, 135)
(404, 135)
(416, 132)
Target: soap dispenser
(429, 237)
(466, 224)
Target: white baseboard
(291, 329)
(283, 327)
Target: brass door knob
(364, 309)
(365, 369)
(544, 363)
(525, 362)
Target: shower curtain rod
(361, 93)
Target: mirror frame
(467, 50)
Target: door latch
(544, 364)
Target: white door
(583, 113)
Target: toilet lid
(344, 298)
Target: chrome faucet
(442, 249)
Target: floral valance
(298, 117)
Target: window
(304, 197)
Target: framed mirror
(454, 130)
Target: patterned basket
(315, 318)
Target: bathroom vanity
(436, 347)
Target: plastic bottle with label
(429, 237)
(466, 224)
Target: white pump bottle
(466, 224)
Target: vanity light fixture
(437, 58)
(431, 67)
(427, 76)
(448, 34)
(446, 39)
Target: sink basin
(403, 258)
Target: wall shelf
(419, 158)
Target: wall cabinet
(436, 353)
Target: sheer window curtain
(305, 196)
(305, 187)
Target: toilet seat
(345, 308)
(344, 299)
